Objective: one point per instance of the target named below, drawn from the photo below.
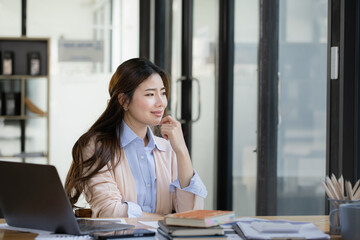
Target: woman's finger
(168, 119)
(165, 120)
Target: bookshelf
(24, 99)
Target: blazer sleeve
(184, 200)
(102, 193)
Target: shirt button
(142, 157)
(148, 185)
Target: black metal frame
(343, 93)
(225, 98)
(162, 33)
(357, 92)
(186, 69)
(266, 186)
(144, 28)
(23, 33)
(159, 42)
(167, 47)
(23, 17)
(332, 140)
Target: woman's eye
(150, 94)
(164, 93)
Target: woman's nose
(160, 100)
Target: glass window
(302, 106)
(245, 106)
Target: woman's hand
(171, 130)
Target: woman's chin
(155, 122)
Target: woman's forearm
(185, 169)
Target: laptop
(32, 196)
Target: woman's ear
(122, 98)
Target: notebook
(32, 196)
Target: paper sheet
(306, 230)
(153, 224)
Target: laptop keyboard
(88, 226)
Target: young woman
(123, 169)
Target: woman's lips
(158, 113)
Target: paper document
(275, 227)
(254, 228)
(153, 224)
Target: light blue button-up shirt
(142, 165)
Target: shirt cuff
(134, 210)
(196, 186)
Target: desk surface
(322, 222)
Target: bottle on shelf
(34, 63)
(8, 63)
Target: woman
(123, 169)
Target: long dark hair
(128, 76)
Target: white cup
(349, 216)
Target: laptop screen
(32, 196)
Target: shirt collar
(127, 135)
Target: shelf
(25, 39)
(26, 155)
(17, 117)
(24, 95)
(18, 77)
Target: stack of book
(195, 224)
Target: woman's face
(148, 104)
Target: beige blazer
(107, 191)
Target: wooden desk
(322, 222)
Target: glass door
(301, 151)
(202, 88)
(204, 69)
(301, 130)
(246, 37)
(300, 97)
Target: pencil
(327, 190)
(341, 182)
(348, 190)
(332, 189)
(357, 194)
(355, 186)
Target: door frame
(343, 133)
(268, 78)
(224, 110)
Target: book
(189, 231)
(199, 218)
(164, 235)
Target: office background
(250, 80)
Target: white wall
(76, 96)
(78, 91)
